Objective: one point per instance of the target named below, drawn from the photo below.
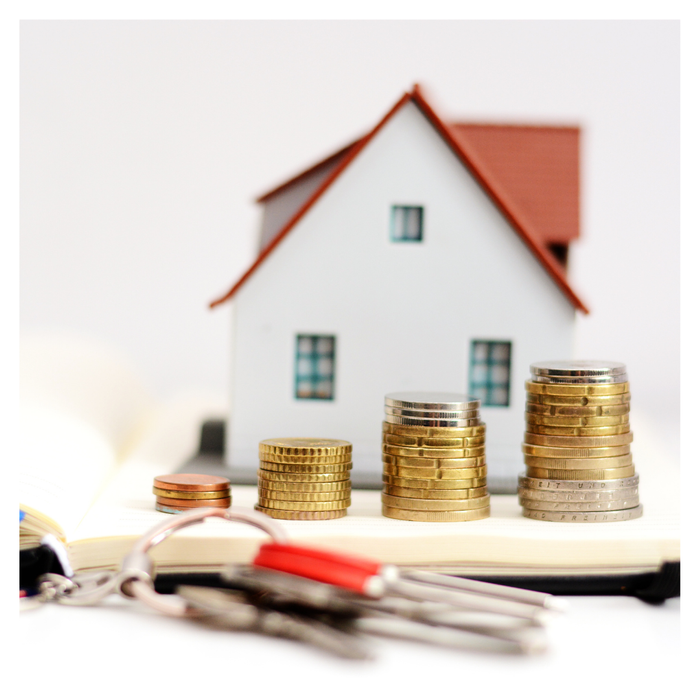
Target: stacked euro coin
(178, 492)
(433, 450)
(577, 445)
(304, 478)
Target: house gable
(337, 163)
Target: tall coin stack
(433, 447)
(577, 444)
(176, 493)
(304, 478)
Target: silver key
(392, 626)
(287, 589)
(505, 632)
(229, 610)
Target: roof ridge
(506, 206)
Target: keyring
(135, 579)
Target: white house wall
(279, 208)
(403, 313)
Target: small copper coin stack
(433, 446)
(178, 492)
(577, 444)
(304, 478)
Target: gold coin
(442, 504)
(553, 400)
(463, 463)
(439, 516)
(424, 431)
(567, 486)
(301, 506)
(319, 496)
(318, 447)
(576, 441)
(302, 478)
(434, 452)
(305, 459)
(579, 506)
(432, 484)
(435, 493)
(577, 431)
(573, 421)
(428, 473)
(192, 495)
(584, 463)
(580, 474)
(198, 503)
(578, 496)
(303, 487)
(575, 452)
(306, 468)
(577, 389)
(540, 409)
(413, 441)
(302, 515)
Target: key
(288, 590)
(392, 626)
(374, 580)
(229, 610)
(281, 590)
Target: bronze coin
(191, 482)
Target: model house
(425, 256)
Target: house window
(315, 367)
(406, 223)
(489, 375)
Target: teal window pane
(406, 223)
(489, 372)
(315, 367)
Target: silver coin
(432, 423)
(433, 415)
(168, 509)
(578, 368)
(616, 379)
(529, 482)
(431, 401)
(579, 506)
(578, 496)
(608, 516)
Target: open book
(93, 441)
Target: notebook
(93, 440)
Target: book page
(81, 411)
(504, 541)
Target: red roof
(537, 166)
(539, 199)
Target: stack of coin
(433, 446)
(304, 478)
(178, 492)
(577, 444)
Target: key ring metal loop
(135, 579)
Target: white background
(140, 158)
(144, 144)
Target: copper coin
(191, 482)
(191, 495)
(199, 503)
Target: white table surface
(600, 647)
